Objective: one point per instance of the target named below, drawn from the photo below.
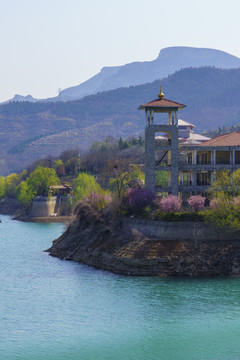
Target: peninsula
(180, 166)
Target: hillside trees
(224, 206)
(37, 184)
(2, 187)
(83, 185)
(41, 179)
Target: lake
(54, 309)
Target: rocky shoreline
(104, 242)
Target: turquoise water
(52, 309)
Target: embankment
(148, 248)
(10, 206)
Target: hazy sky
(52, 44)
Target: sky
(47, 45)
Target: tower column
(174, 160)
(150, 158)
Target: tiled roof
(162, 103)
(231, 139)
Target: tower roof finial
(161, 94)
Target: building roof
(196, 139)
(184, 123)
(231, 139)
(192, 139)
(162, 104)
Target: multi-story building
(176, 159)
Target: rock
(101, 241)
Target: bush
(236, 202)
(139, 198)
(196, 202)
(180, 216)
(83, 185)
(98, 200)
(171, 204)
(214, 204)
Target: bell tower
(169, 147)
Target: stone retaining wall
(43, 207)
(177, 230)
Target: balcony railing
(203, 162)
(185, 183)
(223, 161)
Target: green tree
(41, 179)
(83, 185)
(224, 209)
(24, 193)
(57, 164)
(137, 173)
(12, 181)
(2, 187)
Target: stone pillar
(194, 157)
(213, 157)
(174, 160)
(150, 158)
(146, 118)
(194, 181)
(233, 157)
(169, 118)
(151, 117)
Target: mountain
(34, 130)
(21, 98)
(169, 60)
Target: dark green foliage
(179, 216)
(224, 130)
(125, 144)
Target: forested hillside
(31, 130)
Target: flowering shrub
(196, 202)
(139, 198)
(236, 202)
(98, 200)
(214, 204)
(171, 204)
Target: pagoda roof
(162, 104)
(231, 139)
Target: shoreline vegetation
(108, 191)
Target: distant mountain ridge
(33, 130)
(170, 60)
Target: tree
(171, 204)
(41, 179)
(139, 198)
(196, 202)
(116, 173)
(2, 187)
(224, 206)
(11, 182)
(227, 184)
(24, 193)
(83, 185)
